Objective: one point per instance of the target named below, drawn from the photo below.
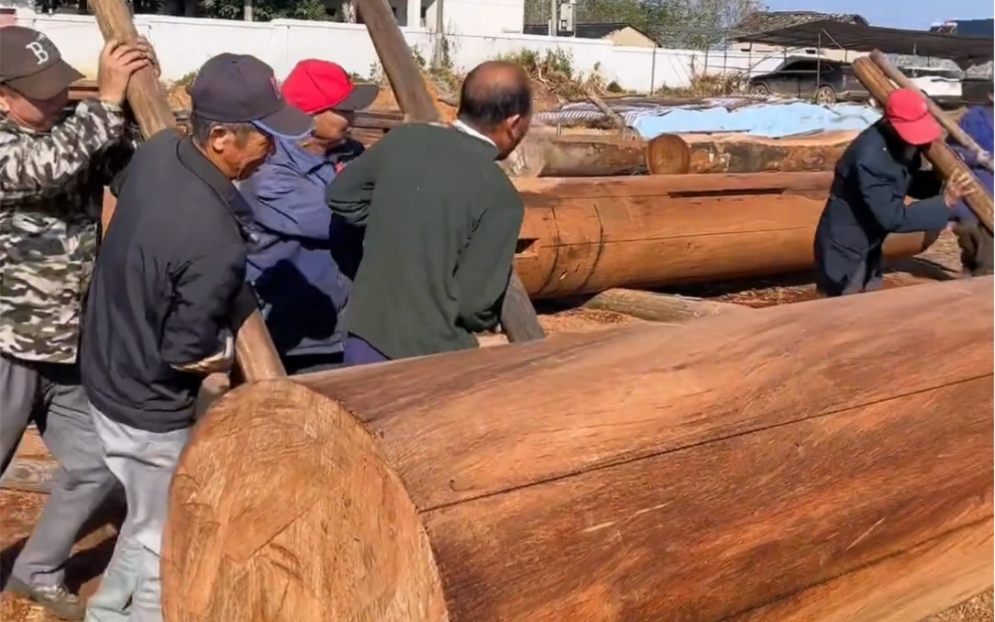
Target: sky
(912, 14)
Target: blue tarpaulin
(770, 120)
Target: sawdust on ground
(19, 511)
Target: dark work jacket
(442, 222)
(976, 123)
(168, 283)
(301, 263)
(867, 202)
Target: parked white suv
(939, 83)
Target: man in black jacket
(879, 169)
(166, 297)
(442, 222)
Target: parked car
(824, 81)
(941, 84)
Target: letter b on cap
(41, 54)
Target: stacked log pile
(787, 464)
(588, 154)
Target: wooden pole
(942, 157)
(518, 316)
(899, 78)
(398, 63)
(254, 349)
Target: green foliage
(266, 10)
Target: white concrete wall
(183, 44)
(476, 17)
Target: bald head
(496, 100)
(494, 92)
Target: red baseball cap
(907, 112)
(315, 86)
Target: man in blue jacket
(878, 170)
(302, 263)
(975, 241)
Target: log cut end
(301, 519)
(668, 154)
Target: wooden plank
(254, 349)
(655, 307)
(518, 317)
(30, 474)
(940, 155)
(735, 464)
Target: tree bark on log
(757, 462)
(677, 154)
(588, 235)
(588, 156)
(655, 307)
(941, 156)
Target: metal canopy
(831, 33)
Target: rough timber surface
(550, 480)
(586, 235)
(677, 154)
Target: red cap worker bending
(877, 171)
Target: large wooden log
(941, 156)
(676, 154)
(592, 156)
(757, 466)
(588, 235)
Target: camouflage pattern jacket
(51, 193)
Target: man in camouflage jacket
(52, 173)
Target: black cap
(32, 65)
(238, 88)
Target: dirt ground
(19, 511)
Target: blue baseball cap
(239, 88)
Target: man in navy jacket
(878, 170)
(302, 262)
(975, 241)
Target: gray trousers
(131, 588)
(51, 395)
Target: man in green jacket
(442, 221)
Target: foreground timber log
(588, 235)
(676, 154)
(788, 464)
